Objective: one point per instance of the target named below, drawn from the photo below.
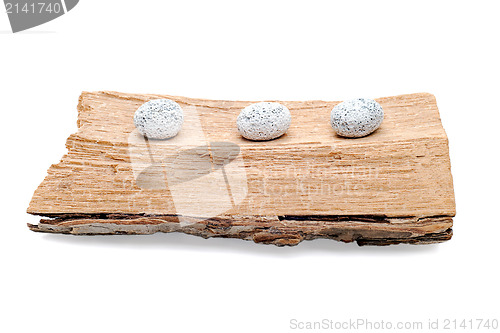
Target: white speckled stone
(264, 121)
(159, 119)
(357, 117)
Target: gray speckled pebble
(357, 117)
(264, 121)
(159, 119)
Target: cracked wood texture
(393, 186)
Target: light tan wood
(401, 172)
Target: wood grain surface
(390, 187)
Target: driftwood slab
(394, 186)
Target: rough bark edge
(364, 230)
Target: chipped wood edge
(276, 230)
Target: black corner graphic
(25, 14)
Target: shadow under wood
(184, 242)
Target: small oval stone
(357, 117)
(264, 121)
(159, 119)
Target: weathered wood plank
(399, 173)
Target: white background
(288, 50)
